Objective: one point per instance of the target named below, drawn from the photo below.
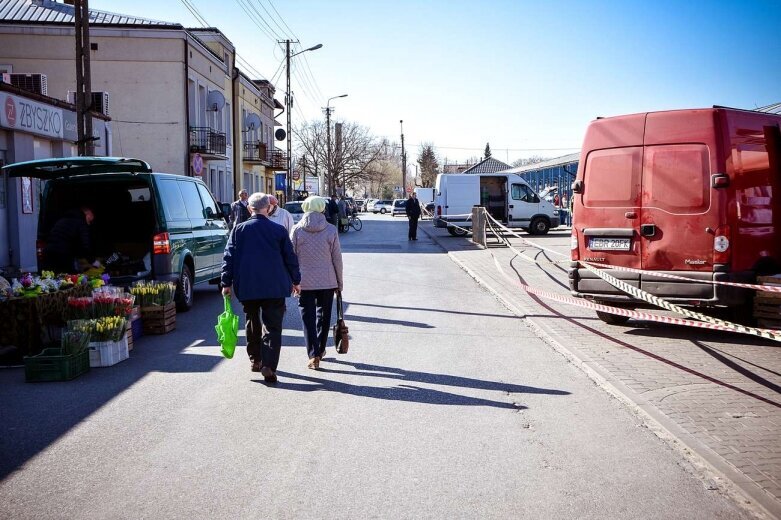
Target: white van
(506, 197)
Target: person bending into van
(239, 209)
(68, 241)
(259, 265)
(412, 208)
(317, 246)
(279, 215)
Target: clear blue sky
(525, 76)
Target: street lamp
(328, 134)
(289, 103)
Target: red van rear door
(679, 216)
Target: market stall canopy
(48, 169)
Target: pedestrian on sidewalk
(412, 208)
(259, 265)
(332, 211)
(316, 244)
(280, 215)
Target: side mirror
(577, 187)
(226, 210)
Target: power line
(271, 17)
(258, 20)
(500, 149)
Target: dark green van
(147, 225)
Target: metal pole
(289, 99)
(90, 144)
(328, 149)
(79, 81)
(403, 163)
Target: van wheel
(455, 231)
(612, 319)
(539, 226)
(184, 290)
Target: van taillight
(439, 211)
(573, 245)
(721, 245)
(161, 244)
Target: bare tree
(348, 166)
(533, 159)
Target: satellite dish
(252, 122)
(280, 134)
(215, 101)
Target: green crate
(51, 365)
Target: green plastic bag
(227, 329)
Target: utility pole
(331, 190)
(403, 163)
(85, 140)
(289, 103)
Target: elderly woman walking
(316, 243)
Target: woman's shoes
(314, 363)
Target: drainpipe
(186, 104)
(238, 138)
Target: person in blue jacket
(260, 267)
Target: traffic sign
(197, 164)
(296, 176)
(409, 189)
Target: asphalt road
(446, 406)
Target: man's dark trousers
(264, 330)
(413, 228)
(315, 309)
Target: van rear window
(676, 178)
(612, 177)
(173, 205)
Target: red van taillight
(439, 211)
(721, 245)
(573, 245)
(161, 244)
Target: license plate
(609, 244)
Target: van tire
(612, 319)
(539, 226)
(184, 290)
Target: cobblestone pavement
(714, 395)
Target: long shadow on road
(411, 392)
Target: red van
(684, 192)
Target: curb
(710, 467)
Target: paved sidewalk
(715, 396)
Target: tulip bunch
(74, 341)
(153, 293)
(78, 308)
(105, 328)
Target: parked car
(399, 207)
(382, 206)
(360, 205)
(295, 210)
(148, 225)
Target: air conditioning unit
(99, 101)
(30, 82)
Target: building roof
(550, 163)
(51, 12)
(775, 108)
(489, 165)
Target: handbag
(341, 332)
(227, 329)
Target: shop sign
(30, 116)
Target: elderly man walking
(259, 265)
(239, 209)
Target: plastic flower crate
(108, 353)
(51, 365)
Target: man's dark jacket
(412, 208)
(239, 213)
(259, 261)
(332, 212)
(68, 240)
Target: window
(228, 132)
(523, 193)
(676, 178)
(612, 177)
(209, 205)
(192, 201)
(171, 198)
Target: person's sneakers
(322, 355)
(268, 375)
(314, 363)
(255, 365)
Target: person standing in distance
(239, 210)
(412, 209)
(280, 215)
(317, 246)
(259, 265)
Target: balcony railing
(206, 141)
(259, 152)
